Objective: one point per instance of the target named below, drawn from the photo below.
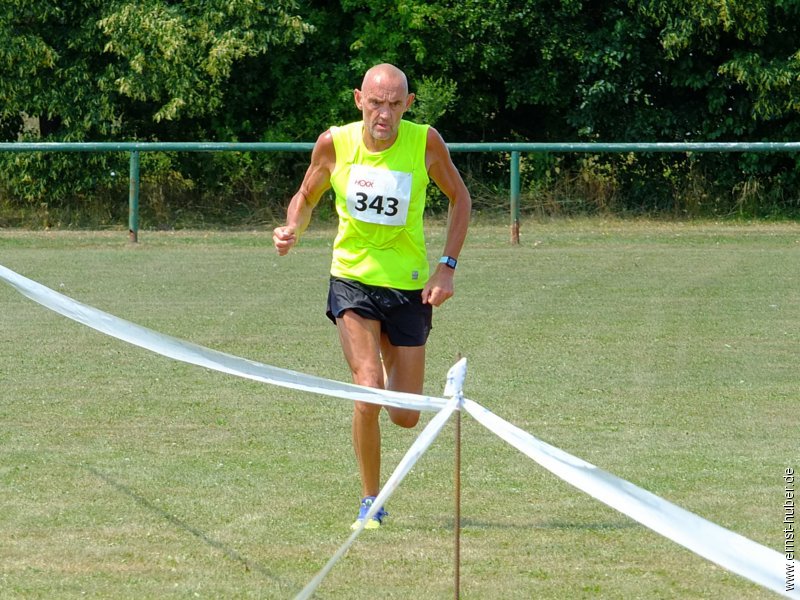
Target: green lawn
(665, 353)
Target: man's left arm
(445, 175)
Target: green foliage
(94, 71)
(498, 70)
(50, 60)
(180, 56)
(434, 99)
(66, 189)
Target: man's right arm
(316, 181)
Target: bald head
(385, 75)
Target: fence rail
(514, 148)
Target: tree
(611, 70)
(180, 55)
(483, 70)
(93, 70)
(87, 67)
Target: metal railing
(514, 148)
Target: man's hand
(284, 238)
(439, 287)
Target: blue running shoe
(377, 519)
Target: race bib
(378, 195)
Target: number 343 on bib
(378, 196)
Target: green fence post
(515, 197)
(133, 198)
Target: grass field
(663, 353)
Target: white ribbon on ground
(204, 357)
(418, 448)
(730, 550)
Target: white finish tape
(728, 549)
(204, 357)
(418, 448)
(454, 386)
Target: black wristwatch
(449, 261)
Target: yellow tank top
(380, 200)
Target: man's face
(382, 103)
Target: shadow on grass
(227, 551)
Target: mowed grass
(663, 353)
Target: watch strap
(449, 261)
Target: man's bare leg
(402, 369)
(405, 370)
(360, 340)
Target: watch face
(449, 261)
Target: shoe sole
(372, 524)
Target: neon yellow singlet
(380, 199)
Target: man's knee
(404, 418)
(367, 411)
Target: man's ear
(410, 101)
(357, 98)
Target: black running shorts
(403, 316)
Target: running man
(381, 289)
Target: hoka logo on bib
(378, 196)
